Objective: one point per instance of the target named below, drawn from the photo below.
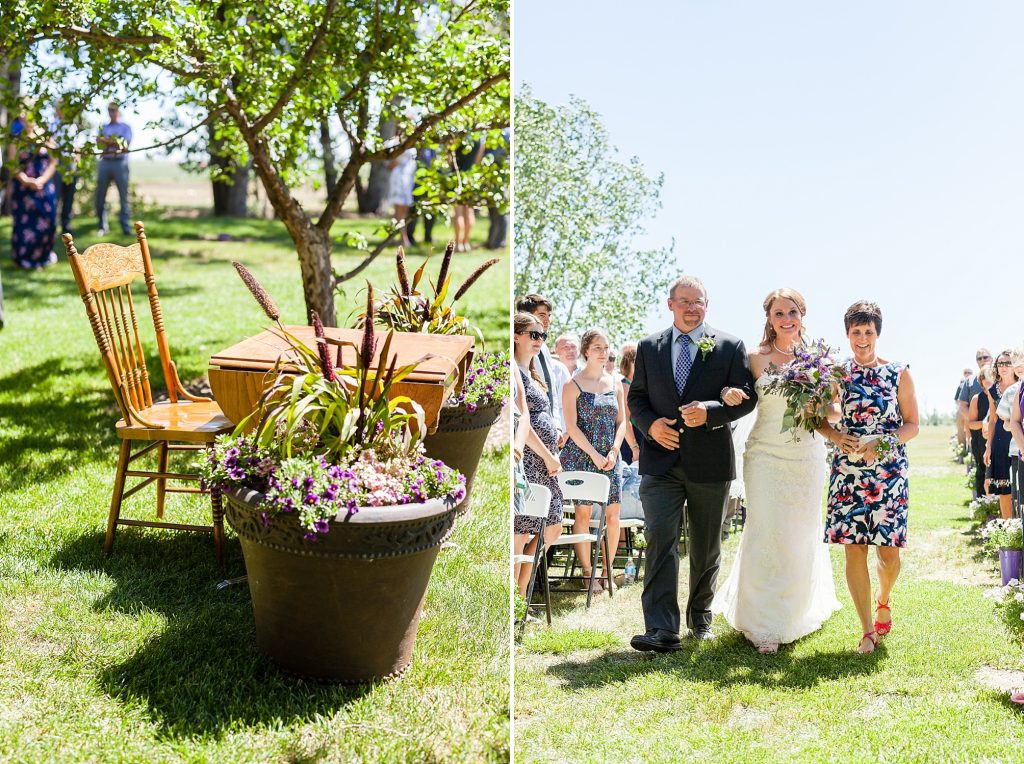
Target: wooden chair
(104, 274)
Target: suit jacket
(707, 451)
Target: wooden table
(238, 374)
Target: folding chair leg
(161, 483)
(115, 501)
(598, 555)
(538, 555)
(547, 588)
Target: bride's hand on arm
(733, 396)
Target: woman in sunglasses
(539, 460)
(997, 451)
(594, 408)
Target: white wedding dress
(780, 587)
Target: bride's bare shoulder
(759, 360)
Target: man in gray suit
(686, 457)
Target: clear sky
(869, 150)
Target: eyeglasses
(691, 303)
(1004, 363)
(535, 335)
(983, 358)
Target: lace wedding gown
(780, 587)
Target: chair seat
(519, 559)
(573, 538)
(196, 422)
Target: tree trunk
(10, 84)
(330, 170)
(231, 192)
(372, 194)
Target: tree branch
(429, 121)
(71, 33)
(372, 256)
(300, 70)
(170, 141)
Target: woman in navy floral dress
(594, 408)
(868, 492)
(34, 208)
(539, 461)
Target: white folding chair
(537, 504)
(589, 488)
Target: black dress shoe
(656, 640)
(704, 634)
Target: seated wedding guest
(868, 491)
(595, 420)
(631, 443)
(567, 349)
(997, 450)
(976, 417)
(539, 461)
(554, 371)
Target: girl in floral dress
(34, 208)
(594, 407)
(868, 492)
(539, 461)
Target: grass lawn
(140, 657)
(930, 693)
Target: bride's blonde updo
(785, 294)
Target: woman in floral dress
(539, 460)
(594, 407)
(868, 492)
(34, 208)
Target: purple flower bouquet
(809, 384)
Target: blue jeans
(113, 170)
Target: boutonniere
(705, 345)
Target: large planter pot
(459, 440)
(1009, 564)
(343, 608)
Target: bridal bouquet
(809, 384)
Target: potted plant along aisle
(467, 416)
(339, 511)
(1007, 538)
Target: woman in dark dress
(594, 407)
(977, 413)
(997, 451)
(539, 460)
(867, 491)
(34, 207)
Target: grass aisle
(140, 657)
(928, 694)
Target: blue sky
(871, 150)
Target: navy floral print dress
(867, 503)
(34, 214)
(595, 416)
(533, 465)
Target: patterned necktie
(682, 371)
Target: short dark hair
(531, 302)
(863, 312)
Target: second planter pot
(459, 440)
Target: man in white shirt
(554, 371)
(567, 348)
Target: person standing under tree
(115, 138)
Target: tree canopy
(578, 216)
(267, 74)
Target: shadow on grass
(201, 674)
(56, 286)
(729, 660)
(50, 430)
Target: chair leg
(161, 483)
(598, 555)
(538, 554)
(218, 525)
(115, 501)
(547, 588)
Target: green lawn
(140, 657)
(928, 694)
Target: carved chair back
(104, 274)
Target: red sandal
(873, 638)
(883, 628)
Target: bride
(780, 587)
